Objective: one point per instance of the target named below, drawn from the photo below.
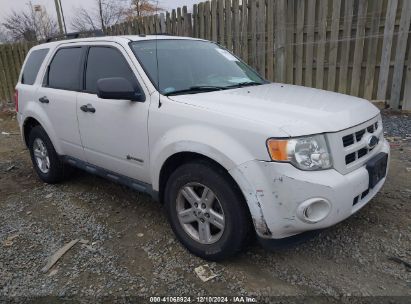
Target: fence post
(236, 23)
(400, 55)
(207, 13)
(7, 73)
(163, 28)
(345, 50)
(310, 25)
(3, 80)
(290, 41)
(359, 47)
(372, 49)
(386, 49)
(252, 19)
(214, 20)
(229, 43)
(179, 29)
(333, 56)
(270, 40)
(260, 36)
(220, 8)
(300, 42)
(244, 31)
(280, 39)
(322, 37)
(201, 20)
(186, 24)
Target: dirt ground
(131, 250)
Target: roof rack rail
(156, 34)
(75, 35)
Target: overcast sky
(6, 6)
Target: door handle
(88, 108)
(44, 99)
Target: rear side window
(64, 69)
(106, 62)
(32, 66)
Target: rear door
(58, 97)
(115, 136)
(26, 88)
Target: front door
(113, 132)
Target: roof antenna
(158, 71)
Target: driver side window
(106, 62)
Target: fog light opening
(314, 210)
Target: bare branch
(30, 25)
(105, 13)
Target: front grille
(350, 158)
(355, 138)
(359, 135)
(349, 147)
(362, 152)
(348, 140)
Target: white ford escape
(186, 121)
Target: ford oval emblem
(372, 142)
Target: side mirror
(118, 88)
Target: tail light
(16, 100)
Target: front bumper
(274, 191)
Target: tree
(31, 24)
(4, 37)
(140, 8)
(104, 14)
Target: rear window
(32, 66)
(64, 70)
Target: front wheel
(206, 211)
(45, 160)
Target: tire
(51, 170)
(228, 210)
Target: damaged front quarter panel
(253, 197)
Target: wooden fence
(356, 47)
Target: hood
(295, 110)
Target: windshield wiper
(196, 89)
(244, 84)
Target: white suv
(225, 151)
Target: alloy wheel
(41, 155)
(200, 213)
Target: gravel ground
(397, 125)
(131, 251)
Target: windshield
(192, 66)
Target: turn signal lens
(277, 149)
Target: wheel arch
(28, 124)
(180, 158)
(32, 120)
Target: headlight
(305, 153)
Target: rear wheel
(206, 211)
(45, 160)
